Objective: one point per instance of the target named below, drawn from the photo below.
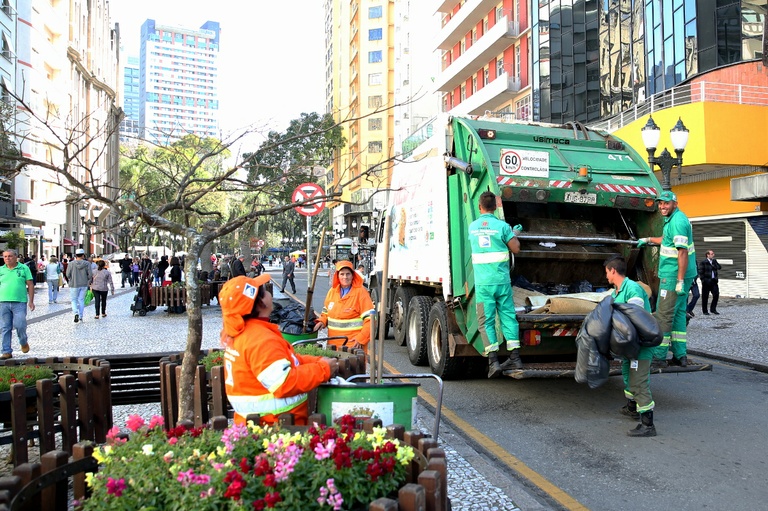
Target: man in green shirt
(17, 290)
(491, 240)
(636, 373)
(677, 269)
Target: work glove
(516, 230)
(642, 242)
(679, 288)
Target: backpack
(32, 265)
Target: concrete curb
(757, 366)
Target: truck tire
(399, 315)
(440, 361)
(416, 338)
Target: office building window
(374, 79)
(486, 76)
(375, 34)
(374, 56)
(463, 92)
(374, 123)
(374, 147)
(517, 61)
(374, 12)
(474, 84)
(500, 65)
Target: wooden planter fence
(77, 404)
(172, 296)
(210, 398)
(44, 486)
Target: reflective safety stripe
(368, 313)
(678, 336)
(646, 408)
(665, 341)
(274, 375)
(680, 240)
(513, 344)
(345, 324)
(490, 257)
(266, 403)
(636, 300)
(668, 252)
(629, 395)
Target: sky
(271, 53)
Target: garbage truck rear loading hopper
(581, 196)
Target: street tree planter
(44, 485)
(176, 296)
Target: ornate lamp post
(679, 135)
(85, 211)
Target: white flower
(147, 450)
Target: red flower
(272, 498)
(270, 481)
(262, 467)
(244, 466)
(259, 504)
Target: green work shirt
(677, 234)
(488, 237)
(631, 292)
(13, 283)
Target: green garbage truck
(581, 195)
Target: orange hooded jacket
(262, 372)
(349, 316)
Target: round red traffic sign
(305, 192)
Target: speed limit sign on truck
(517, 162)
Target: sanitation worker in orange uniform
(263, 374)
(347, 309)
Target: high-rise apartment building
(129, 126)
(485, 50)
(178, 81)
(7, 87)
(360, 91)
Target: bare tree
(196, 188)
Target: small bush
(26, 374)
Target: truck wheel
(416, 338)
(399, 315)
(440, 361)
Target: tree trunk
(194, 335)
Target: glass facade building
(129, 126)
(594, 58)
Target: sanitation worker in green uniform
(636, 373)
(491, 240)
(677, 269)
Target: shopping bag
(88, 297)
(61, 280)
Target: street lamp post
(666, 162)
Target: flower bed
(249, 467)
(26, 374)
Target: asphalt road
(710, 451)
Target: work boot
(494, 368)
(513, 362)
(630, 410)
(646, 427)
(682, 361)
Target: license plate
(581, 198)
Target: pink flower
(134, 422)
(173, 440)
(230, 436)
(155, 421)
(115, 486)
(324, 451)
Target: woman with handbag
(101, 284)
(53, 276)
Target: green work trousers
(492, 300)
(637, 382)
(670, 313)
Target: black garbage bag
(624, 341)
(522, 282)
(290, 319)
(592, 367)
(598, 325)
(648, 331)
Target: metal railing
(686, 94)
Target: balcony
(490, 97)
(445, 5)
(495, 41)
(465, 20)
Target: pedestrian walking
(491, 240)
(101, 285)
(136, 271)
(225, 270)
(31, 263)
(694, 299)
(708, 272)
(238, 267)
(64, 263)
(636, 373)
(79, 274)
(677, 268)
(17, 292)
(125, 271)
(53, 277)
(288, 269)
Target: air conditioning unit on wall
(21, 207)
